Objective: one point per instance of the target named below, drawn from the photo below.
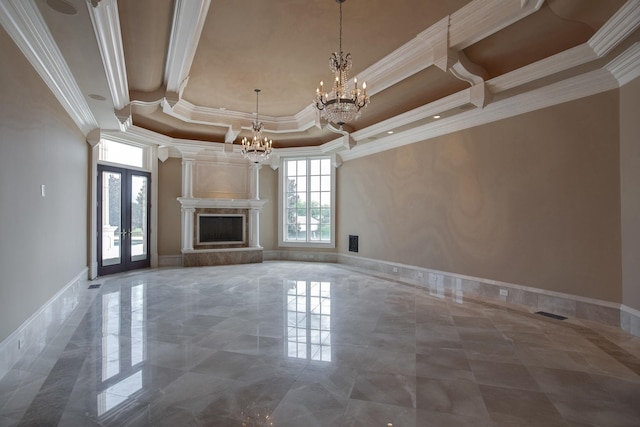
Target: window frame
(282, 209)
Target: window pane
(301, 183)
(291, 168)
(139, 219)
(326, 166)
(315, 166)
(302, 167)
(326, 199)
(111, 217)
(315, 198)
(315, 183)
(116, 152)
(325, 182)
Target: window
(307, 202)
(115, 152)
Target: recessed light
(389, 132)
(436, 117)
(62, 6)
(97, 97)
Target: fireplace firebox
(221, 229)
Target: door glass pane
(138, 217)
(111, 218)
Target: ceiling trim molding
(624, 22)
(190, 113)
(138, 135)
(581, 86)
(567, 90)
(188, 20)
(473, 22)
(480, 19)
(429, 110)
(626, 67)
(546, 67)
(106, 26)
(24, 23)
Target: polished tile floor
(296, 344)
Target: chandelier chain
(340, 26)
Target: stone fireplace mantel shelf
(194, 202)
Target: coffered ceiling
(186, 70)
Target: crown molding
(626, 67)
(190, 113)
(480, 19)
(188, 20)
(138, 136)
(24, 23)
(546, 67)
(439, 106)
(624, 22)
(106, 25)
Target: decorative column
(254, 181)
(187, 177)
(254, 214)
(187, 228)
(254, 228)
(188, 212)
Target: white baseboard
(38, 330)
(630, 320)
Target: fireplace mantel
(194, 202)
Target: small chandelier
(341, 105)
(257, 149)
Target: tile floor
(295, 344)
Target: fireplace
(220, 229)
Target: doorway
(123, 219)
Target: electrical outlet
(395, 269)
(504, 292)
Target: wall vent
(551, 315)
(353, 243)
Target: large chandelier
(257, 149)
(341, 105)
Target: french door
(123, 219)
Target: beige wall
(269, 214)
(169, 189)
(43, 240)
(531, 200)
(630, 192)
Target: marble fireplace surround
(194, 255)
